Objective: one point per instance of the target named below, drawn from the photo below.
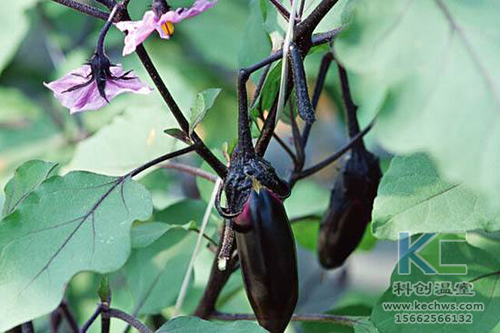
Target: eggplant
(266, 249)
(351, 202)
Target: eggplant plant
(263, 206)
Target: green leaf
(178, 134)
(146, 234)
(129, 141)
(204, 101)
(26, 179)
(486, 291)
(69, 224)
(154, 274)
(197, 325)
(14, 21)
(413, 197)
(432, 76)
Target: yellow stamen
(168, 28)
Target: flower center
(168, 28)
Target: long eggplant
(266, 248)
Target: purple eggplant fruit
(266, 248)
(349, 212)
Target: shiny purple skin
(350, 209)
(266, 249)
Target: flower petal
(117, 86)
(176, 16)
(138, 31)
(87, 97)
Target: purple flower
(93, 85)
(161, 19)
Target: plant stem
(108, 3)
(27, 327)
(68, 316)
(82, 8)
(281, 9)
(350, 107)
(216, 282)
(160, 159)
(55, 321)
(197, 172)
(132, 321)
(201, 149)
(325, 318)
(335, 156)
(104, 32)
(91, 320)
(318, 88)
(305, 29)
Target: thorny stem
(132, 321)
(91, 320)
(326, 318)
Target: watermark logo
(426, 253)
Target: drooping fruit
(349, 212)
(266, 249)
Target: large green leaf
(197, 325)
(486, 289)
(413, 197)
(129, 141)
(67, 225)
(26, 179)
(437, 64)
